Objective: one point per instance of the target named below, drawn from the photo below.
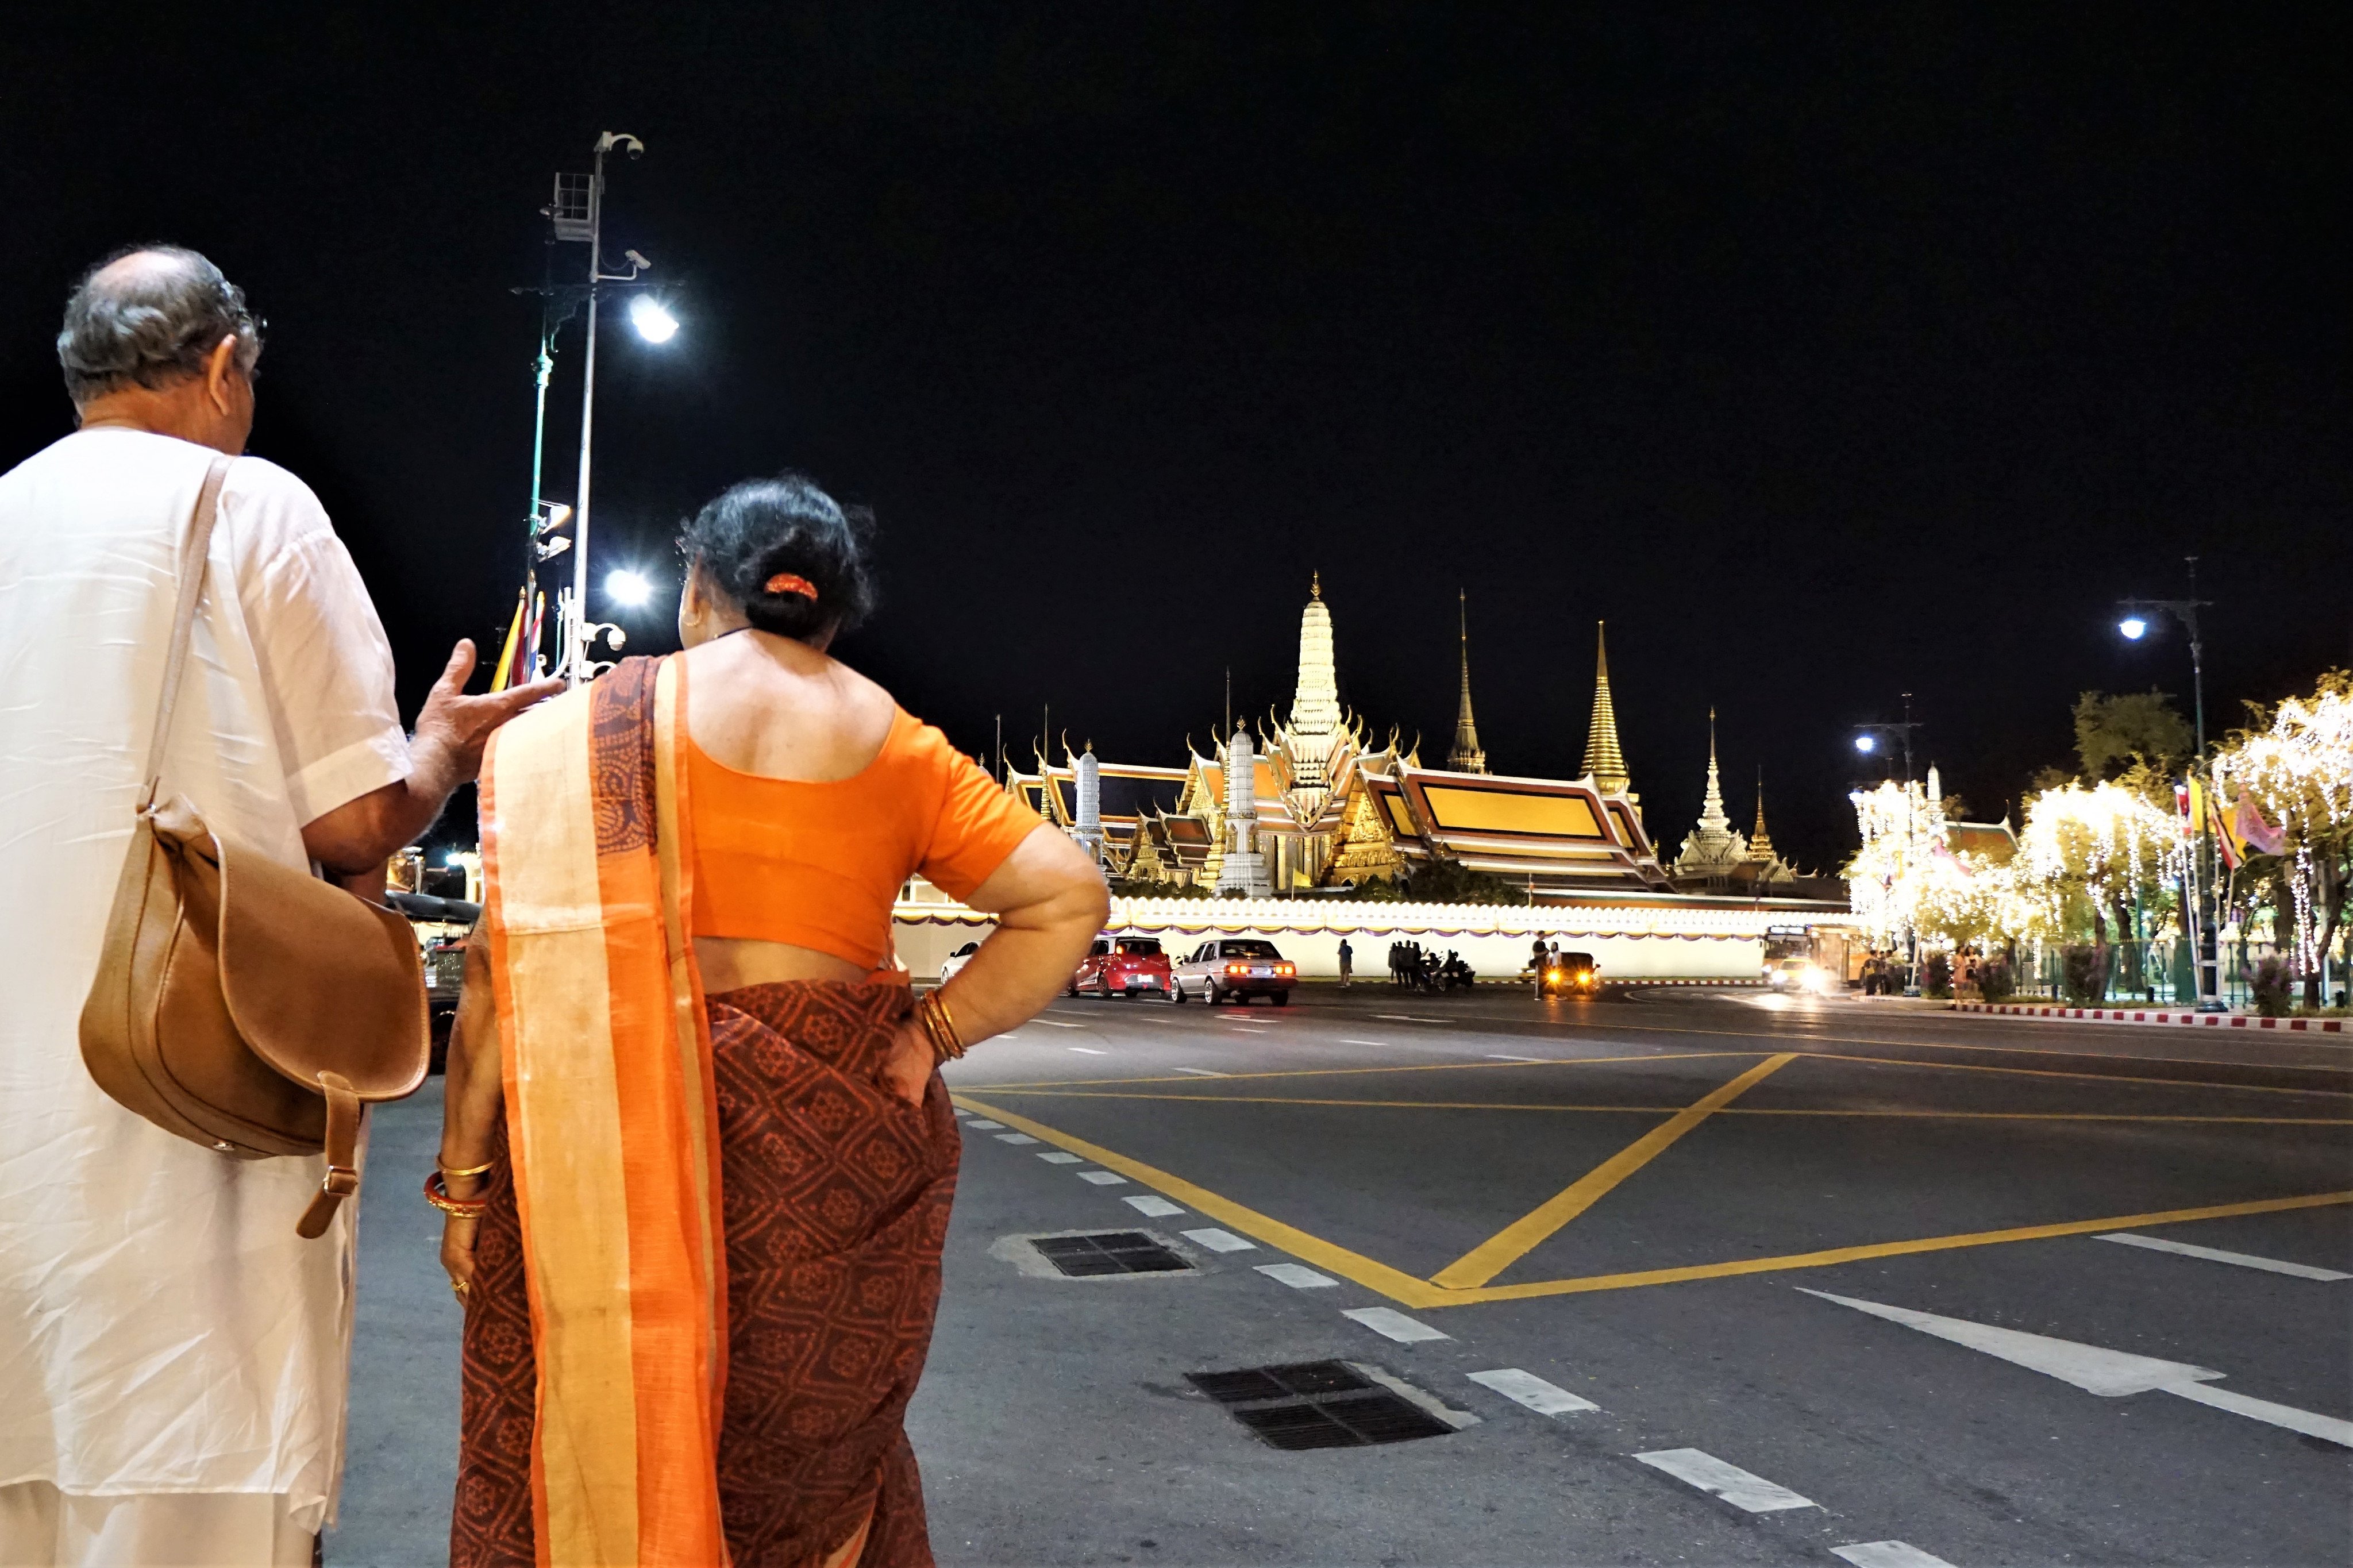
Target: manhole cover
(1317, 1404)
(1108, 1252)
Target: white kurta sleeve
(325, 663)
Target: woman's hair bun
(786, 527)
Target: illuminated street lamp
(2135, 625)
(629, 589)
(654, 323)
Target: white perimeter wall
(1638, 942)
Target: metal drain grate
(1108, 1252)
(1317, 1404)
(1292, 1381)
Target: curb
(2123, 1015)
(1632, 981)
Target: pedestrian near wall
(173, 1379)
(1347, 960)
(722, 1076)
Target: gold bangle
(468, 1171)
(939, 1025)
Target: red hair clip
(787, 583)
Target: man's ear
(219, 366)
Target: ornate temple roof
(1466, 757)
(1605, 764)
(1559, 834)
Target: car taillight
(1238, 969)
(1284, 969)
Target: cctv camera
(639, 262)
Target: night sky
(1826, 358)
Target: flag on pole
(2227, 845)
(498, 677)
(2253, 832)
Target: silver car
(1235, 969)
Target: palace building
(1316, 803)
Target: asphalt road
(1626, 1200)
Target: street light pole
(579, 214)
(1866, 741)
(2135, 625)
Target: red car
(1124, 966)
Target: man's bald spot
(149, 316)
(140, 271)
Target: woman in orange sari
(698, 1159)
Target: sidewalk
(2143, 1016)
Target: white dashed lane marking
(984, 1126)
(1159, 1208)
(1730, 1482)
(2215, 1254)
(1057, 1024)
(1014, 1138)
(1493, 1058)
(1346, 1042)
(1087, 1050)
(1396, 1325)
(1888, 1555)
(1058, 1158)
(1526, 1388)
(1102, 1178)
(1200, 1072)
(1298, 1276)
(1219, 1240)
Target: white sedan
(956, 960)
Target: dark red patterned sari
(835, 1196)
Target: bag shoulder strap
(196, 554)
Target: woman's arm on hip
(1049, 902)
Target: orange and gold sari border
(674, 847)
(548, 949)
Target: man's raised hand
(458, 726)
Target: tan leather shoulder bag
(240, 1004)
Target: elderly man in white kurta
(172, 1357)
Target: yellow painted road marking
(1407, 1291)
(1883, 1249)
(1345, 1072)
(1672, 1109)
(1394, 1283)
(2054, 1072)
(1507, 1246)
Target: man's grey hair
(151, 325)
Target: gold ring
(460, 1289)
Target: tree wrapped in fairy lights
(2288, 782)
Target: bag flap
(318, 980)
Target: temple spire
(1760, 843)
(1603, 760)
(1316, 699)
(1315, 722)
(1466, 757)
(1711, 813)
